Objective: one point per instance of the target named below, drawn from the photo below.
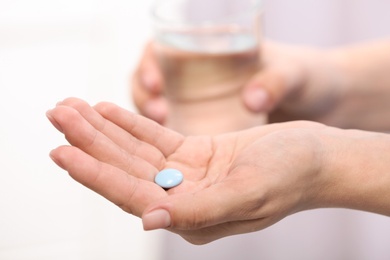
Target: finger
(164, 139)
(281, 74)
(118, 135)
(149, 74)
(131, 194)
(147, 87)
(221, 203)
(268, 88)
(84, 136)
(154, 107)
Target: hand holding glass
(207, 51)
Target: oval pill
(168, 178)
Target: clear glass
(207, 50)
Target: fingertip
(256, 98)
(149, 81)
(150, 78)
(156, 109)
(55, 158)
(52, 120)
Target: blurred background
(50, 50)
(53, 49)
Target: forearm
(364, 92)
(357, 171)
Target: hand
(147, 87)
(294, 83)
(233, 183)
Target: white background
(49, 50)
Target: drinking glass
(207, 50)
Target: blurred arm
(365, 93)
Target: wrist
(355, 170)
(363, 80)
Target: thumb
(267, 89)
(191, 211)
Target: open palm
(226, 178)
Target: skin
(345, 87)
(233, 183)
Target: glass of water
(207, 50)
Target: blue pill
(169, 178)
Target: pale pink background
(326, 234)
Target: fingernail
(256, 99)
(156, 219)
